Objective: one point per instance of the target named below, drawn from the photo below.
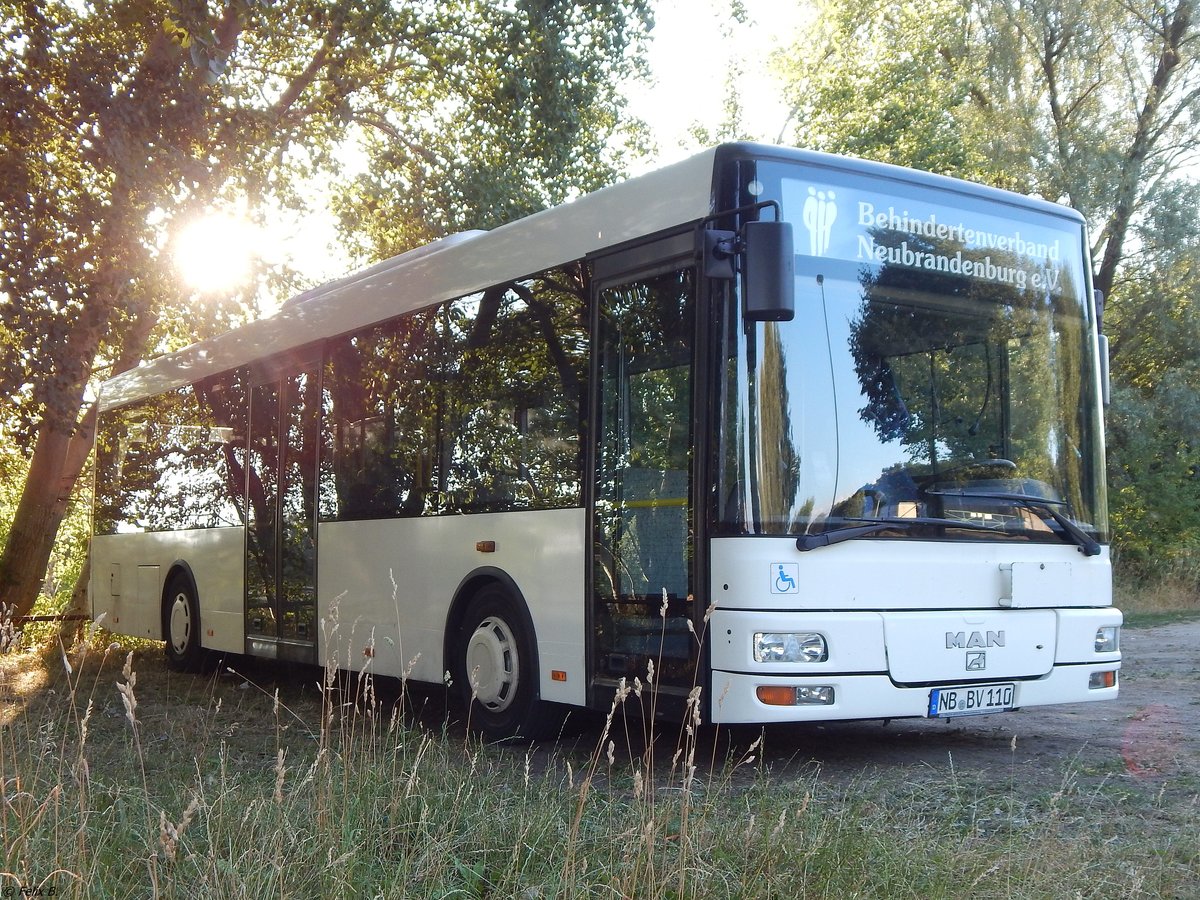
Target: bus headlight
(803, 647)
(1108, 639)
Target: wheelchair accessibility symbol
(784, 578)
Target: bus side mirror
(763, 252)
(1105, 378)
(768, 272)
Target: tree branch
(304, 80)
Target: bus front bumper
(763, 699)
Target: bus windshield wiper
(1088, 545)
(870, 526)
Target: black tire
(181, 625)
(495, 670)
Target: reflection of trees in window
(643, 518)
(960, 369)
(1052, 403)
(473, 406)
(297, 569)
(929, 352)
(760, 474)
(379, 404)
(172, 462)
(778, 461)
(516, 363)
(643, 522)
(262, 495)
(224, 397)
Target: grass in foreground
(180, 786)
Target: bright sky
(695, 46)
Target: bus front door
(281, 606)
(643, 525)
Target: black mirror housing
(768, 272)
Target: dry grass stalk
(170, 835)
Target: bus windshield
(939, 369)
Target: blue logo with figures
(785, 578)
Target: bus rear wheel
(181, 625)
(496, 670)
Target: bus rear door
(281, 603)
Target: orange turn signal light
(775, 695)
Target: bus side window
(380, 411)
(514, 380)
(171, 462)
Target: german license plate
(970, 701)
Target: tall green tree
(118, 118)
(886, 81)
(1093, 103)
(1096, 103)
(535, 128)
(1154, 423)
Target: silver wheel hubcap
(493, 668)
(180, 623)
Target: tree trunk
(59, 455)
(79, 605)
(64, 440)
(61, 449)
(1147, 133)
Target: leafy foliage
(1155, 475)
(531, 125)
(147, 111)
(887, 81)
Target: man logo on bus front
(820, 211)
(976, 662)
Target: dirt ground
(1148, 739)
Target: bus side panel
(384, 589)
(130, 570)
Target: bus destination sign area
(886, 229)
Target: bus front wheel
(181, 625)
(496, 669)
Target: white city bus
(819, 436)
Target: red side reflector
(558, 675)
